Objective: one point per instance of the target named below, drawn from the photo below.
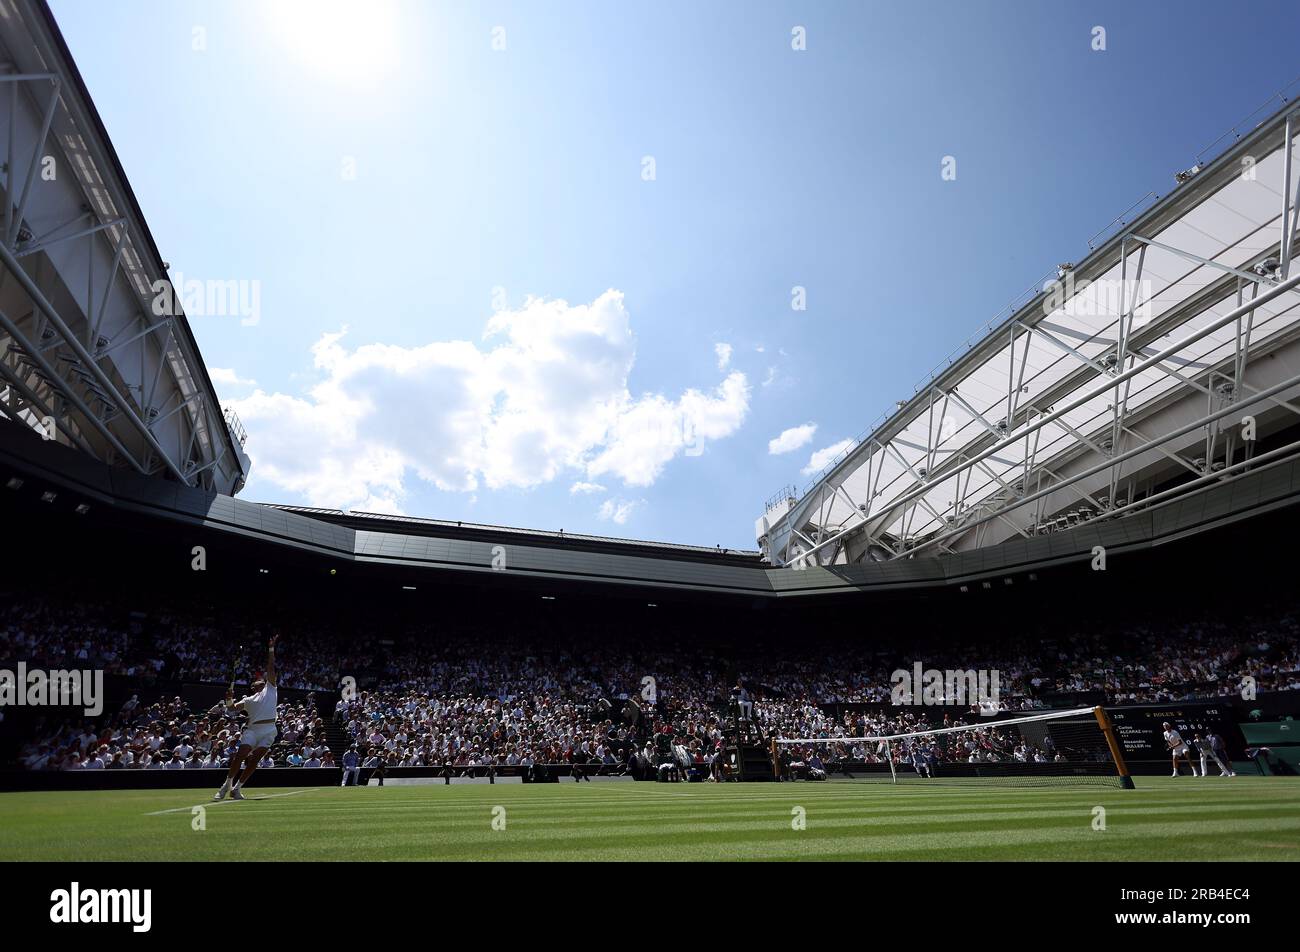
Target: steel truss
(1002, 477)
(83, 355)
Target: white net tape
(961, 728)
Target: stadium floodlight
(82, 509)
(49, 496)
(1058, 748)
(14, 483)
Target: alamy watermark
(1104, 297)
(931, 686)
(240, 298)
(36, 687)
(83, 905)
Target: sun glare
(352, 41)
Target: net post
(1116, 752)
(889, 756)
(776, 759)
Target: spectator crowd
(470, 694)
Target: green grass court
(1242, 818)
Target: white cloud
(581, 488)
(822, 457)
(791, 439)
(225, 376)
(385, 505)
(543, 394)
(646, 433)
(617, 511)
(723, 352)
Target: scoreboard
(1141, 735)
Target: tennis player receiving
(260, 733)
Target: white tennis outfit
(1175, 742)
(259, 707)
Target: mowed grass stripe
(684, 830)
(817, 812)
(1165, 819)
(472, 797)
(623, 794)
(788, 793)
(695, 841)
(1178, 840)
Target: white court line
(217, 803)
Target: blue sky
(475, 302)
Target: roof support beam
(1291, 381)
(38, 298)
(1258, 279)
(46, 243)
(33, 399)
(15, 225)
(1062, 345)
(1138, 367)
(51, 374)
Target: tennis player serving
(260, 733)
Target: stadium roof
(385, 522)
(85, 354)
(1075, 403)
(40, 480)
